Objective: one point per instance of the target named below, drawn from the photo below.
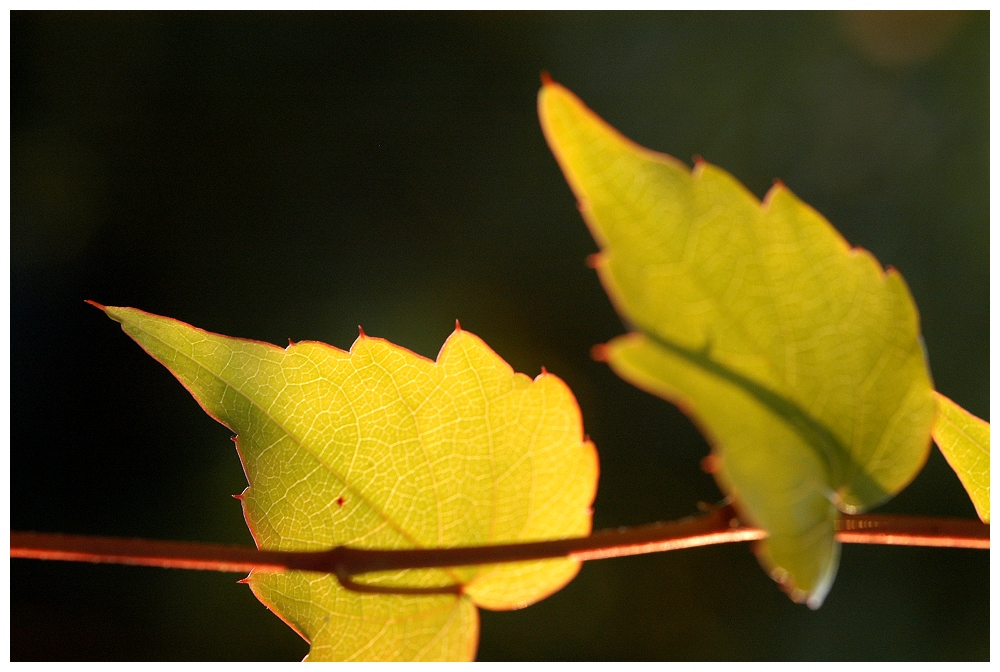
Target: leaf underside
(798, 357)
(381, 448)
(964, 441)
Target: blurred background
(277, 176)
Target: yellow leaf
(798, 356)
(964, 441)
(381, 448)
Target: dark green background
(278, 176)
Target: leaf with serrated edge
(381, 448)
(798, 357)
(964, 441)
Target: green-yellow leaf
(799, 357)
(381, 448)
(964, 441)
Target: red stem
(718, 527)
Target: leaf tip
(777, 186)
(291, 343)
(710, 463)
(238, 497)
(361, 332)
(546, 78)
(97, 305)
(599, 352)
(458, 326)
(545, 371)
(593, 261)
(812, 597)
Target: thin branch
(719, 527)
